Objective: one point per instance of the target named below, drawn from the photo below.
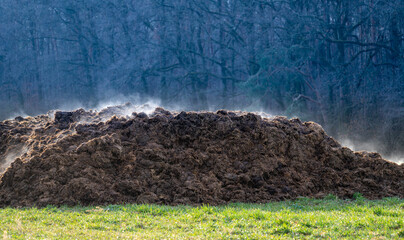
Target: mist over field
(336, 62)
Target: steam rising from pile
(134, 154)
(11, 154)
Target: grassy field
(329, 218)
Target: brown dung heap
(96, 158)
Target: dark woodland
(336, 62)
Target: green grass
(329, 218)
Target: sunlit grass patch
(329, 218)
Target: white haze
(11, 156)
(369, 147)
(137, 104)
(18, 114)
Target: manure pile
(96, 158)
